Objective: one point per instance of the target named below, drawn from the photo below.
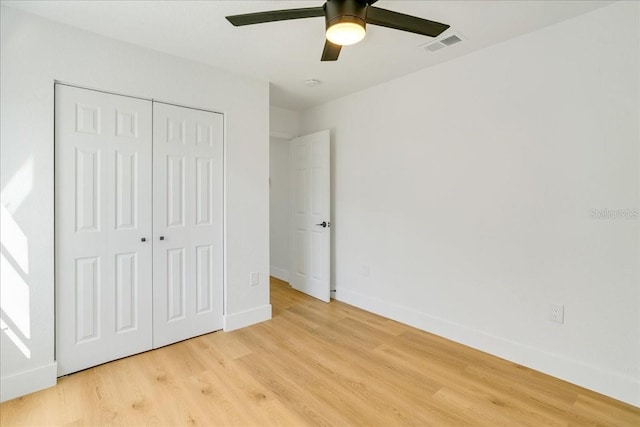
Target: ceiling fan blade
(400, 21)
(275, 15)
(331, 51)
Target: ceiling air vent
(442, 43)
(451, 40)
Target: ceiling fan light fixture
(345, 33)
(345, 22)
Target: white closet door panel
(176, 285)
(87, 289)
(103, 210)
(126, 292)
(187, 223)
(204, 279)
(131, 221)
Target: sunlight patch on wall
(15, 295)
(14, 240)
(18, 187)
(14, 338)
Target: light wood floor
(315, 364)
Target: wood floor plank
(315, 364)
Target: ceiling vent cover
(451, 40)
(447, 41)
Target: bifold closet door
(187, 223)
(103, 227)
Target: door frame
(288, 138)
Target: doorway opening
(300, 233)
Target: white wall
(283, 123)
(34, 53)
(284, 126)
(467, 191)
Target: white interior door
(310, 215)
(103, 227)
(187, 223)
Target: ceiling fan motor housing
(345, 11)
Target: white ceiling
(287, 53)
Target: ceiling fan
(346, 22)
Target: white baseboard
(26, 382)
(247, 318)
(280, 273)
(594, 378)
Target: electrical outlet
(556, 313)
(254, 279)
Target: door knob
(144, 239)
(324, 224)
(161, 237)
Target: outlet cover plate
(556, 313)
(254, 279)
